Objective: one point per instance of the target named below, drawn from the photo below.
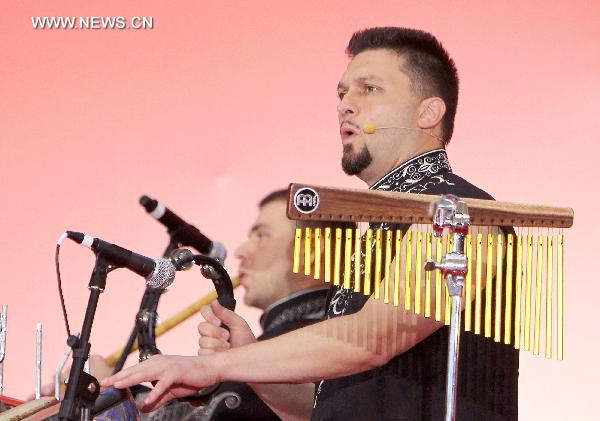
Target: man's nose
(242, 251)
(347, 106)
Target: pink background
(224, 101)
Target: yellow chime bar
(388, 264)
(317, 272)
(518, 291)
(509, 285)
(538, 295)
(469, 282)
(368, 261)
(509, 288)
(408, 270)
(418, 271)
(428, 276)
(297, 243)
(499, 274)
(549, 291)
(378, 251)
(528, 285)
(560, 286)
(357, 259)
(397, 267)
(348, 258)
(478, 282)
(337, 257)
(438, 280)
(489, 286)
(307, 250)
(327, 268)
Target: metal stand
(453, 214)
(144, 328)
(145, 320)
(83, 388)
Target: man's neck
(372, 174)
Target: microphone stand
(146, 315)
(83, 388)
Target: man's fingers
(212, 331)
(227, 316)
(212, 343)
(142, 372)
(241, 334)
(209, 315)
(159, 391)
(202, 351)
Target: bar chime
(514, 287)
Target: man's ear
(431, 111)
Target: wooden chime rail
(354, 205)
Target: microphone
(370, 128)
(182, 232)
(159, 273)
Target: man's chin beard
(355, 163)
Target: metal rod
(455, 283)
(3, 320)
(453, 348)
(59, 369)
(38, 360)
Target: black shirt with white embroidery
(298, 310)
(411, 386)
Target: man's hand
(177, 377)
(215, 338)
(180, 376)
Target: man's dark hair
(273, 196)
(431, 70)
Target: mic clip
(100, 271)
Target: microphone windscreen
(163, 274)
(369, 128)
(148, 204)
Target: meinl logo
(306, 200)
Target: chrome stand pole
(449, 212)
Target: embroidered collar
(408, 176)
(308, 304)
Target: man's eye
(341, 94)
(260, 236)
(371, 88)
